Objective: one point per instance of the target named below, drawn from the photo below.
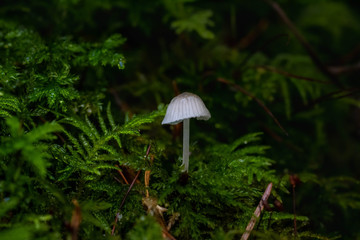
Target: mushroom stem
(186, 139)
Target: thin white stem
(186, 140)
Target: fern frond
(102, 123)
(249, 138)
(75, 143)
(92, 128)
(29, 144)
(91, 149)
(85, 144)
(8, 105)
(136, 121)
(110, 117)
(82, 126)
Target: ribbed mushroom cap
(184, 106)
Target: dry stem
(257, 213)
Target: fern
(55, 88)
(197, 21)
(29, 144)
(8, 106)
(65, 159)
(224, 182)
(92, 151)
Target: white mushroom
(182, 108)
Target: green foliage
(8, 106)
(67, 160)
(145, 228)
(223, 185)
(196, 22)
(27, 146)
(92, 151)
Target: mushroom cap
(184, 106)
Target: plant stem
(123, 201)
(186, 140)
(294, 210)
(128, 191)
(257, 212)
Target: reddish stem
(127, 193)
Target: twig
(237, 87)
(127, 193)
(268, 42)
(279, 139)
(294, 209)
(147, 177)
(253, 34)
(168, 235)
(121, 104)
(147, 181)
(176, 88)
(294, 180)
(122, 175)
(350, 55)
(344, 69)
(257, 212)
(75, 220)
(304, 43)
(272, 69)
(333, 95)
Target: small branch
(337, 70)
(253, 34)
(168, 235)
(263, 46)
(272, 69)
(121, 104)
(123, 201)
(353, 54)
(294, 180)
(176, 88)
(237, 87)
(147, 182)
(257, 212)
(304, 43)
(294, 209)
(127, 193)
(333, 95)
(122, 175)
(75, 220)
(279, 139)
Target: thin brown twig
(121, 104)
(122, 175)
(171, 237)
(333, 95)
(344, 69)
(237, 87)
(76, 219)
(350, 55)
(147, 181)
(123, 201)
(253, 34)
(294, 209)
(268, 42)
(294, 180)
(127, 193)
(257, 212)
(304, 43)
(282, 72)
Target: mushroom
(182, 108)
